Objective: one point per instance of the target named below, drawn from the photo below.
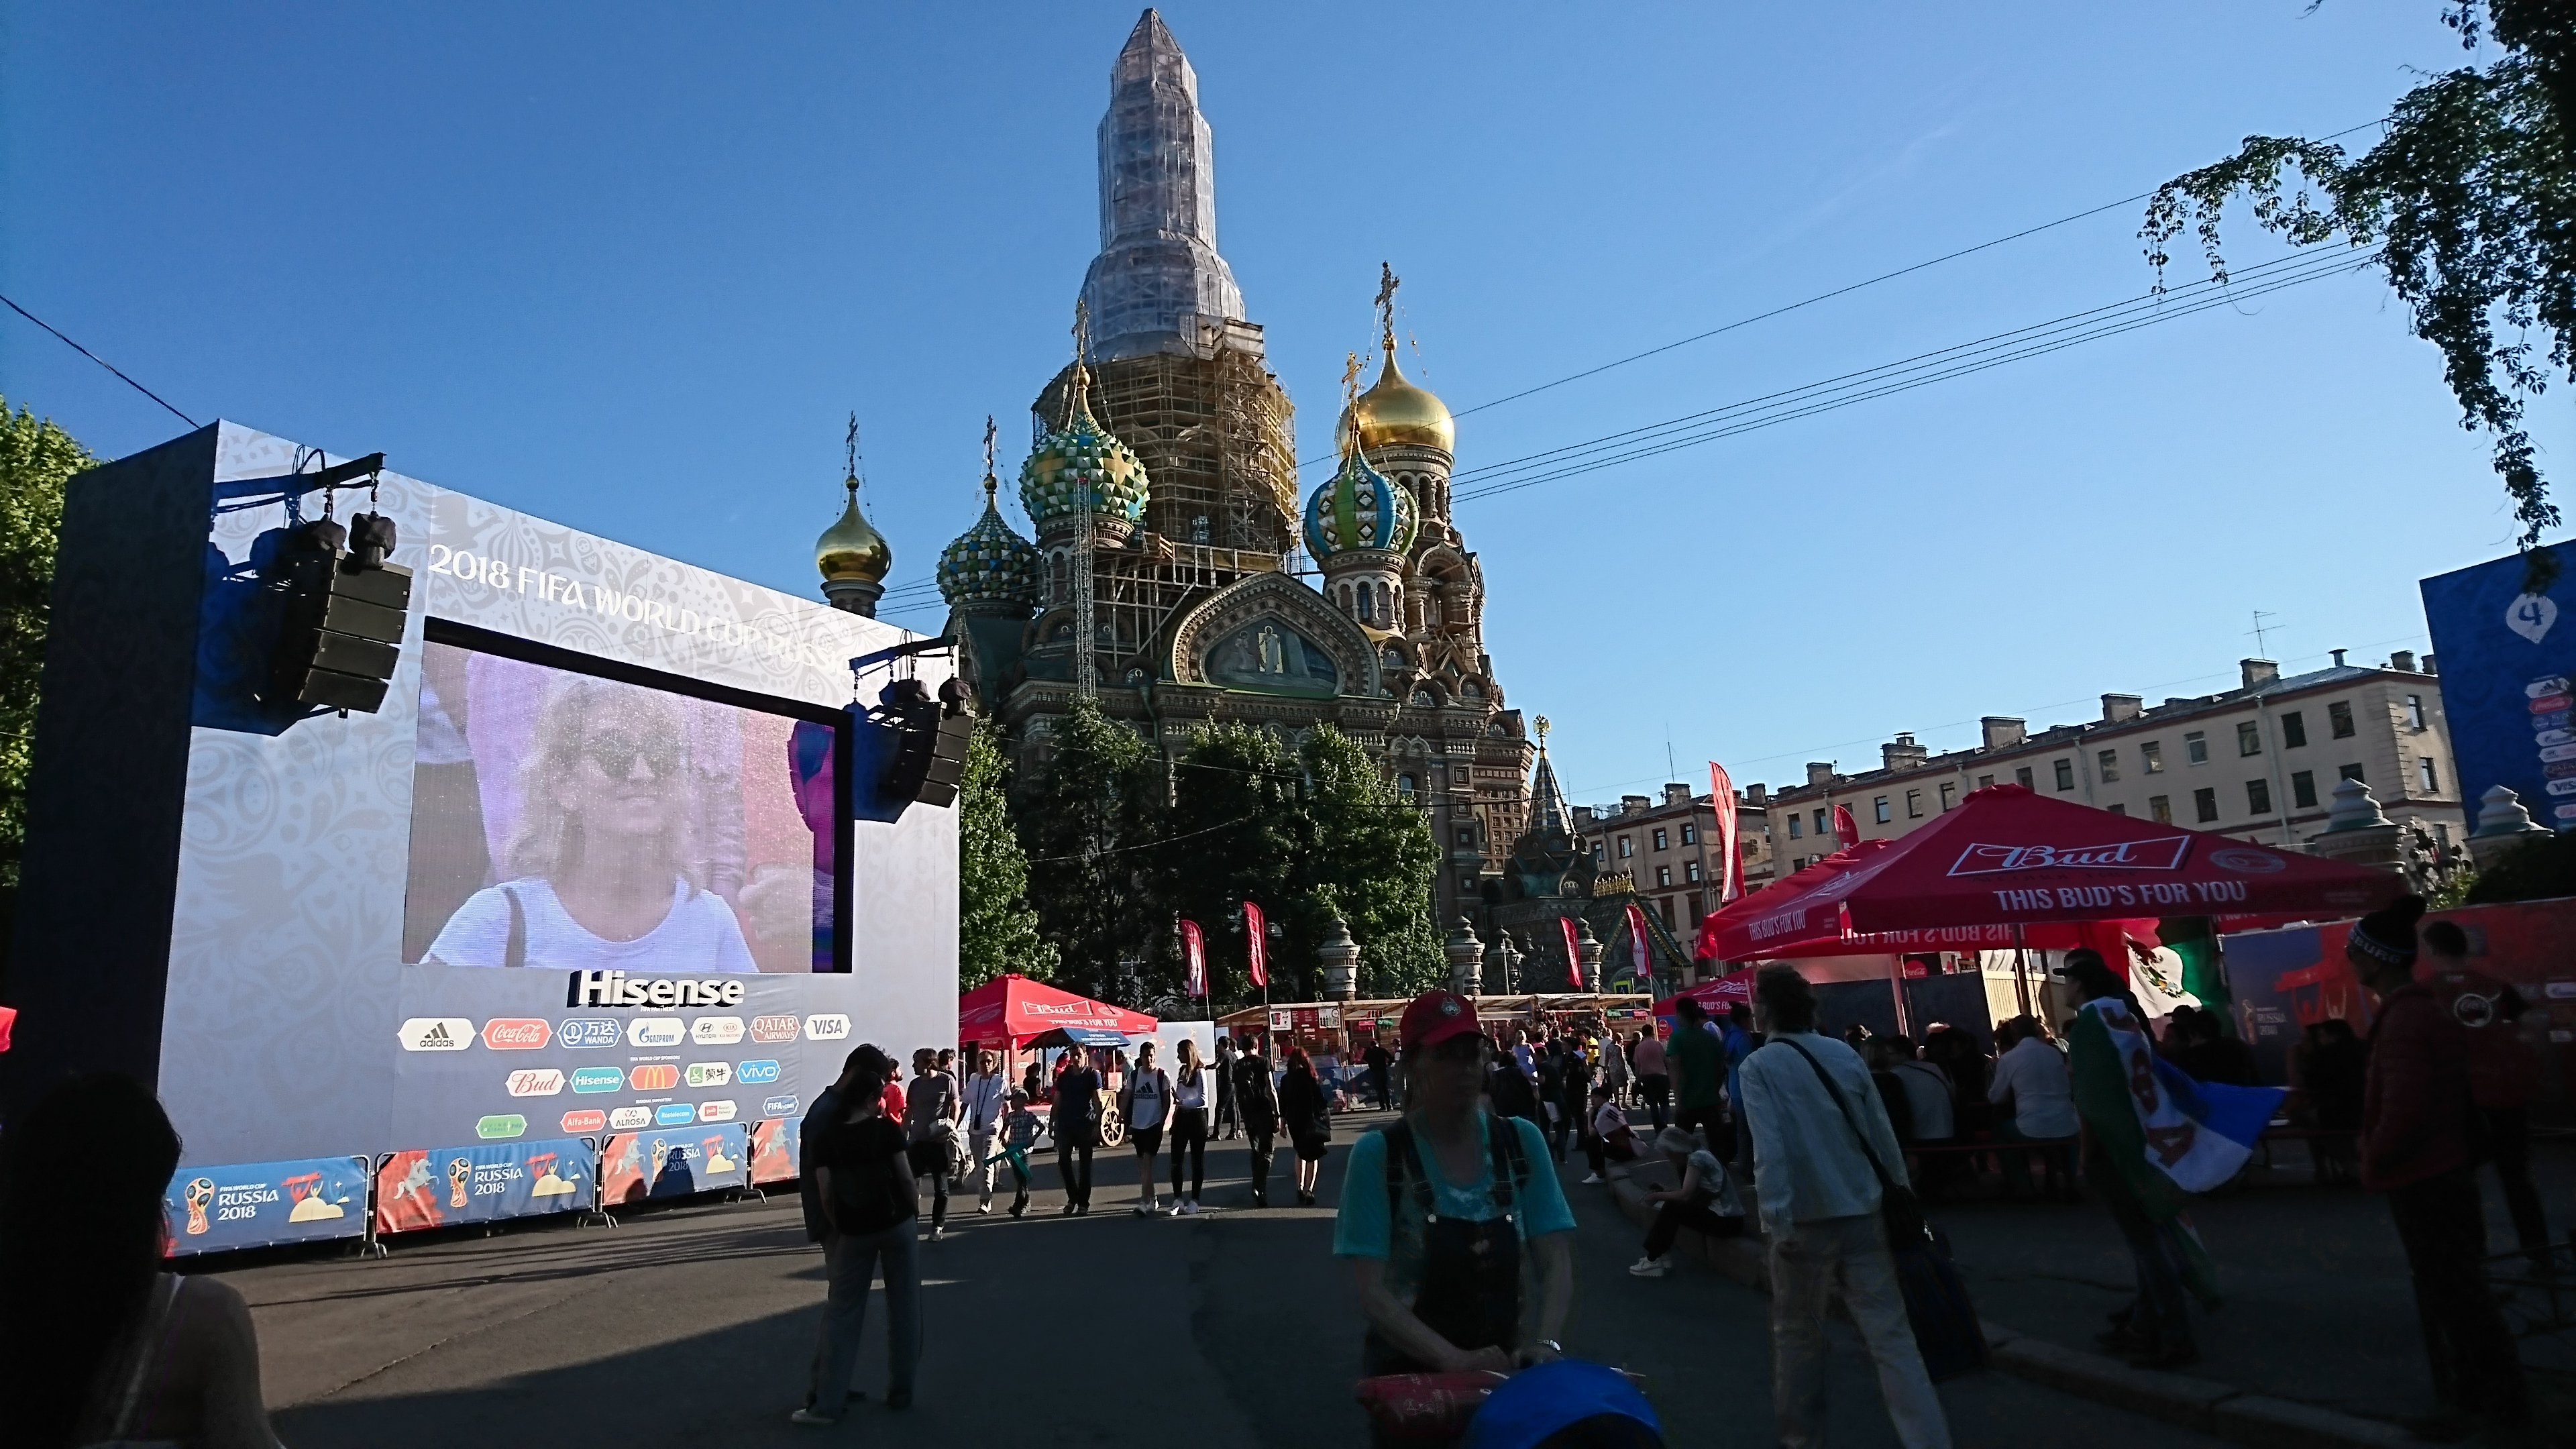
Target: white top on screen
(699, 935)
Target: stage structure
(580, 913)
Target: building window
(1690, 834)
(2425, 779)
(1404, 786)
(1690, 870)
(2294, 730)
(2204, 805)
(2151, 757)
(1596, 855)
(2350, 772)
(1662, 841)
(2021, 776)
(2258, 797)
(2065, 774)
(2303, 789)
(2161, 807)
(1665, 905)
(1986, 781)
(1797, 862)
(1797, 826)
(2109, 761)
(1879, 808)
(2195, 747)
(2249, 738)
(1949, 794)
(2339, 719)
(1466, 837)
(1914, 803)
(1663, 875)
(1466, 885)
(2119, 809)
(1824, 826)
(2414, 711)
(1625, 849)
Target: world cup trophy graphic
(199, 1195)
(459, 1172)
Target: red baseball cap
(1434, 1017)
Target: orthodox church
(1176, 575)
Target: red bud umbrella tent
(1014, 1009)
(1799, 918)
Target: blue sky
(630, 266)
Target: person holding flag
(2151, 1137)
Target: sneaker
(808, 1416)
(1595, 1180)
(1189, 1208)
(1650, 1267)
(1071, 1208)
(1019, 1207)
(1145, 1209)
(1174, 1210)
(983, 1207)
(939, 1235)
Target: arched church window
(1368, 604)
(1474, 690)
(1423, 698)
(1393, 658)
(1404, 786)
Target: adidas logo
(436, 1034)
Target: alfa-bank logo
(2164, 853)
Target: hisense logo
(615, 988)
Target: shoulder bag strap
(1850, 1119)
(1511, 1175)
(147, 1350)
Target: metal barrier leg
(369, 1244)
(598, 1216)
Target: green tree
(997, 931)
(2470, 198)
(1234, 834)
(36, 460)
(1088, 816)
(1373, 852)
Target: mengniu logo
(516, 1033)
(584, 1121)
(508, 1125)
(773, 1028)
(716, 1030)
(654, 1077)
(627, 1119)
(536, 1082)
(674, 1114)
(597, 1079)
(710, 1074)
(756, 1074)
(655, 1031)
(199, 1195)
(2162, 853)
(587, 1031)
(829, 1026)
(778, 1107)
(715, 1111)
(437, 1034)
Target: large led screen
(570, 822)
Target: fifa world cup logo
(459, 1172)
(200, 1195)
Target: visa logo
(827, 1026)
(597, 1079)
(674, 1114)
(755, 1074)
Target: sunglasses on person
(615, 753)
(1465, 1047)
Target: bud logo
(597, 1079)
(627, 1119)
(654, 1077)
(516, 1033)
(778, 1107)
(616, 988)
(756, 1074)
(715, 1111)
(773, 1028)
(537, 1082)
(587, 1031)
(716, 1030)
(710, 1074)
(2163, 853)
(584, 1121)
(655, 1031)
(437, 1034)
(831, 1026)
(674, 1114)
(508, 1126)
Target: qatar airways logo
(614, 988)
(2165, 853)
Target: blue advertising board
(486, 1182)
(2507, 659)
(254, 1204)
(637, 1166)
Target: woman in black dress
(1309, 1120)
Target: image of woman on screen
(597, 873)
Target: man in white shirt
(1819, 1199)
(983, 1104)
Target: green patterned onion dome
(1082, 454)
(1359, 507)
(989, 564)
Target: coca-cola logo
(2162, 853)
(516, 1033)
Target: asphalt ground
(694, 1325)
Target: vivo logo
(2165, 853)
(616, 988)
(756, 1074)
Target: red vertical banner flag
(1257, 931)
(1846, 829)
(1194, 954)
(1573, 956)
(1730, 865)
(1637, 942)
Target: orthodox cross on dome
(1387, 282)
(850, 457)
(1350, 402)
(1542, 731)
(990, 483)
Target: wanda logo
(2164, 853)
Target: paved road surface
(693, 1327)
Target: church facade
(1180, 575)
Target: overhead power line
(101, 361)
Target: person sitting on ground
(97, 1344)
(1609, 1139)
(1440, 1209)
(1703, 1199)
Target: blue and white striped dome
(1359, 507)
(989, 564)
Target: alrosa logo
(437, 1034)
(773, 1028)
(830, 1026)
(616, 988)
(716, 1030)
(584, 1121)
(654, 1077)
(536, 1082)
(710, 1074)
(2163, 853)
(627, 1119)
(655, 1031)
(516, 1033)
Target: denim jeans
(849, 1261)
(1846, 1258)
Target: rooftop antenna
(2260, 629)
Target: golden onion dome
(1395, 412)
(850, 549)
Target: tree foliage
(1374, 854)
(2541, 868)
(1235, 838)
(2470, 199)
(997, 931)
(36, 460)
(1086, 815)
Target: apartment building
(1669, 848)
(2259, 762)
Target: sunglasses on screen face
(615, 753)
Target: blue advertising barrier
(641, 1166)
(486, 1182)
(255, 1204)
(2508, 659)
